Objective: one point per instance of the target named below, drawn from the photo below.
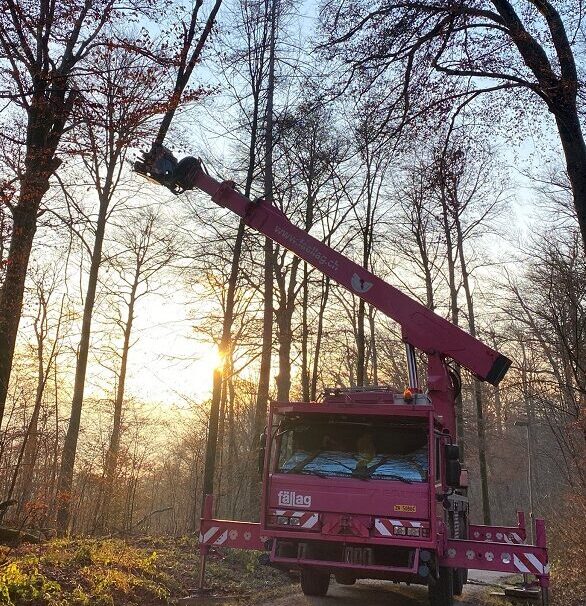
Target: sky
(169, 362)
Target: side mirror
(261, 451)
(453, 472)
(452, 452)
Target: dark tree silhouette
(42, 47)
(481, 46)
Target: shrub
(567, 541)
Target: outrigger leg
(208, 506)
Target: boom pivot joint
(160, 165)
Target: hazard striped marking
(384, 526)
(307, 519)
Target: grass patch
(113, 572)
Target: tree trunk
(305, 375)
(267, 332)
(65, 481)
(574, 147)
(47, 114)
(31, 439)
(319, 335)
(373, 345)
(454, 309)
(114, 446)
(284, 318)
(12, 291)
(360, 345)
(478, 399)
(226, 346)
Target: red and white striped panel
(307, 519)
(529, 563)
(384, 526)
(213, 536)
(238, 535)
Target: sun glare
(217, 358)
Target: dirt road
(379, 593)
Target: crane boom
(421, 327)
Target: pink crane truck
(366, 483)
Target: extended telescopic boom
(421, 327)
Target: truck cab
(357, 486)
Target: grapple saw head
(161, 166)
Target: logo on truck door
(288, 498)
(406, 508)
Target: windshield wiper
(366, 473)
(308, 459)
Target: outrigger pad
(160, 165)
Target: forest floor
(131, 572)
(161, 571)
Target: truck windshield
(365, 451)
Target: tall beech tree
(119, 101)
(310, 151)
(252, 28)
(146, 248)
(470, 197)
(262, 396)
(374, 155)
(42, 47)
(526, 47)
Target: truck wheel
(345, 579)
(314, 582)
(441, 593)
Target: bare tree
(310, 154)
(120, 99)
(146, 249)
(526, 49)
(471, 197)
(254, 27)
(42, 48)
(48, 328)
(546, 306)
(262, 396)
(374, 152)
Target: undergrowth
(116, 572)
(567, 540)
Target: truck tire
(441, 593)
(314, 582)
